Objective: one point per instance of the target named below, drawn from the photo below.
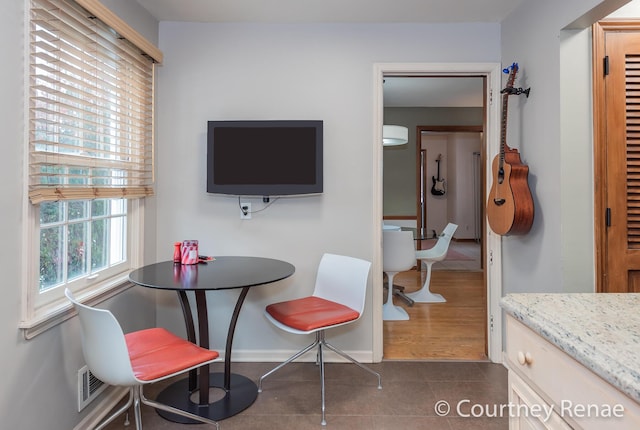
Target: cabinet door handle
(525, 358)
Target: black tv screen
(264, 158)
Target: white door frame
(493, 245)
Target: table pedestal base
(242, 393)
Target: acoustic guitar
(509, 205)
(437, 189)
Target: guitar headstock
(512, 71)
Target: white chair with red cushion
(338, 299)
(136, 359)
(428, 257)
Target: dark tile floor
(411, 393)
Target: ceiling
(364, 11)
(398, 91)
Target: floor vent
(89, 387)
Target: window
(80, 238)
(90, 145)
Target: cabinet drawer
(579, 396)
(527, 405)
(527, 353)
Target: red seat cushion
(156, 353)
(311, 313)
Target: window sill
(52, 316)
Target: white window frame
(38, 315)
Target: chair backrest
(103, 345)
(343, 279)
(398, 251)
(442, 245)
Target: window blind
(90, 108)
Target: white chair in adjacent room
(428, 257)
(136, 359)
(398, 255)
(338, 299)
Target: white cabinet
(530, 411)
(548, 389)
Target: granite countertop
(601, 331)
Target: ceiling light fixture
(393, 135)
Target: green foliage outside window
(76, 235)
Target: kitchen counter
(600, 331)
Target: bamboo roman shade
(90, 107)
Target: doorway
(491, 243)
(448, 189)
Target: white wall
(576, 170)
(463, 186)
(262, 71)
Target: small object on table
(177, 252)
(190, 252)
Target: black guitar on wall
(438, 183)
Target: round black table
(223, 273)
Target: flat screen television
(264, 158)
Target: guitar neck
(505, 101)
(503, 127)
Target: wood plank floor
(455, 330)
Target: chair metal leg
(320, 342)
(176, 411)
(354, 361)
(137, 412)
(281, 365)
(324, 343)
(399, 292)
(117, 413)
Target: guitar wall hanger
(510, 90)
(516, 91)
